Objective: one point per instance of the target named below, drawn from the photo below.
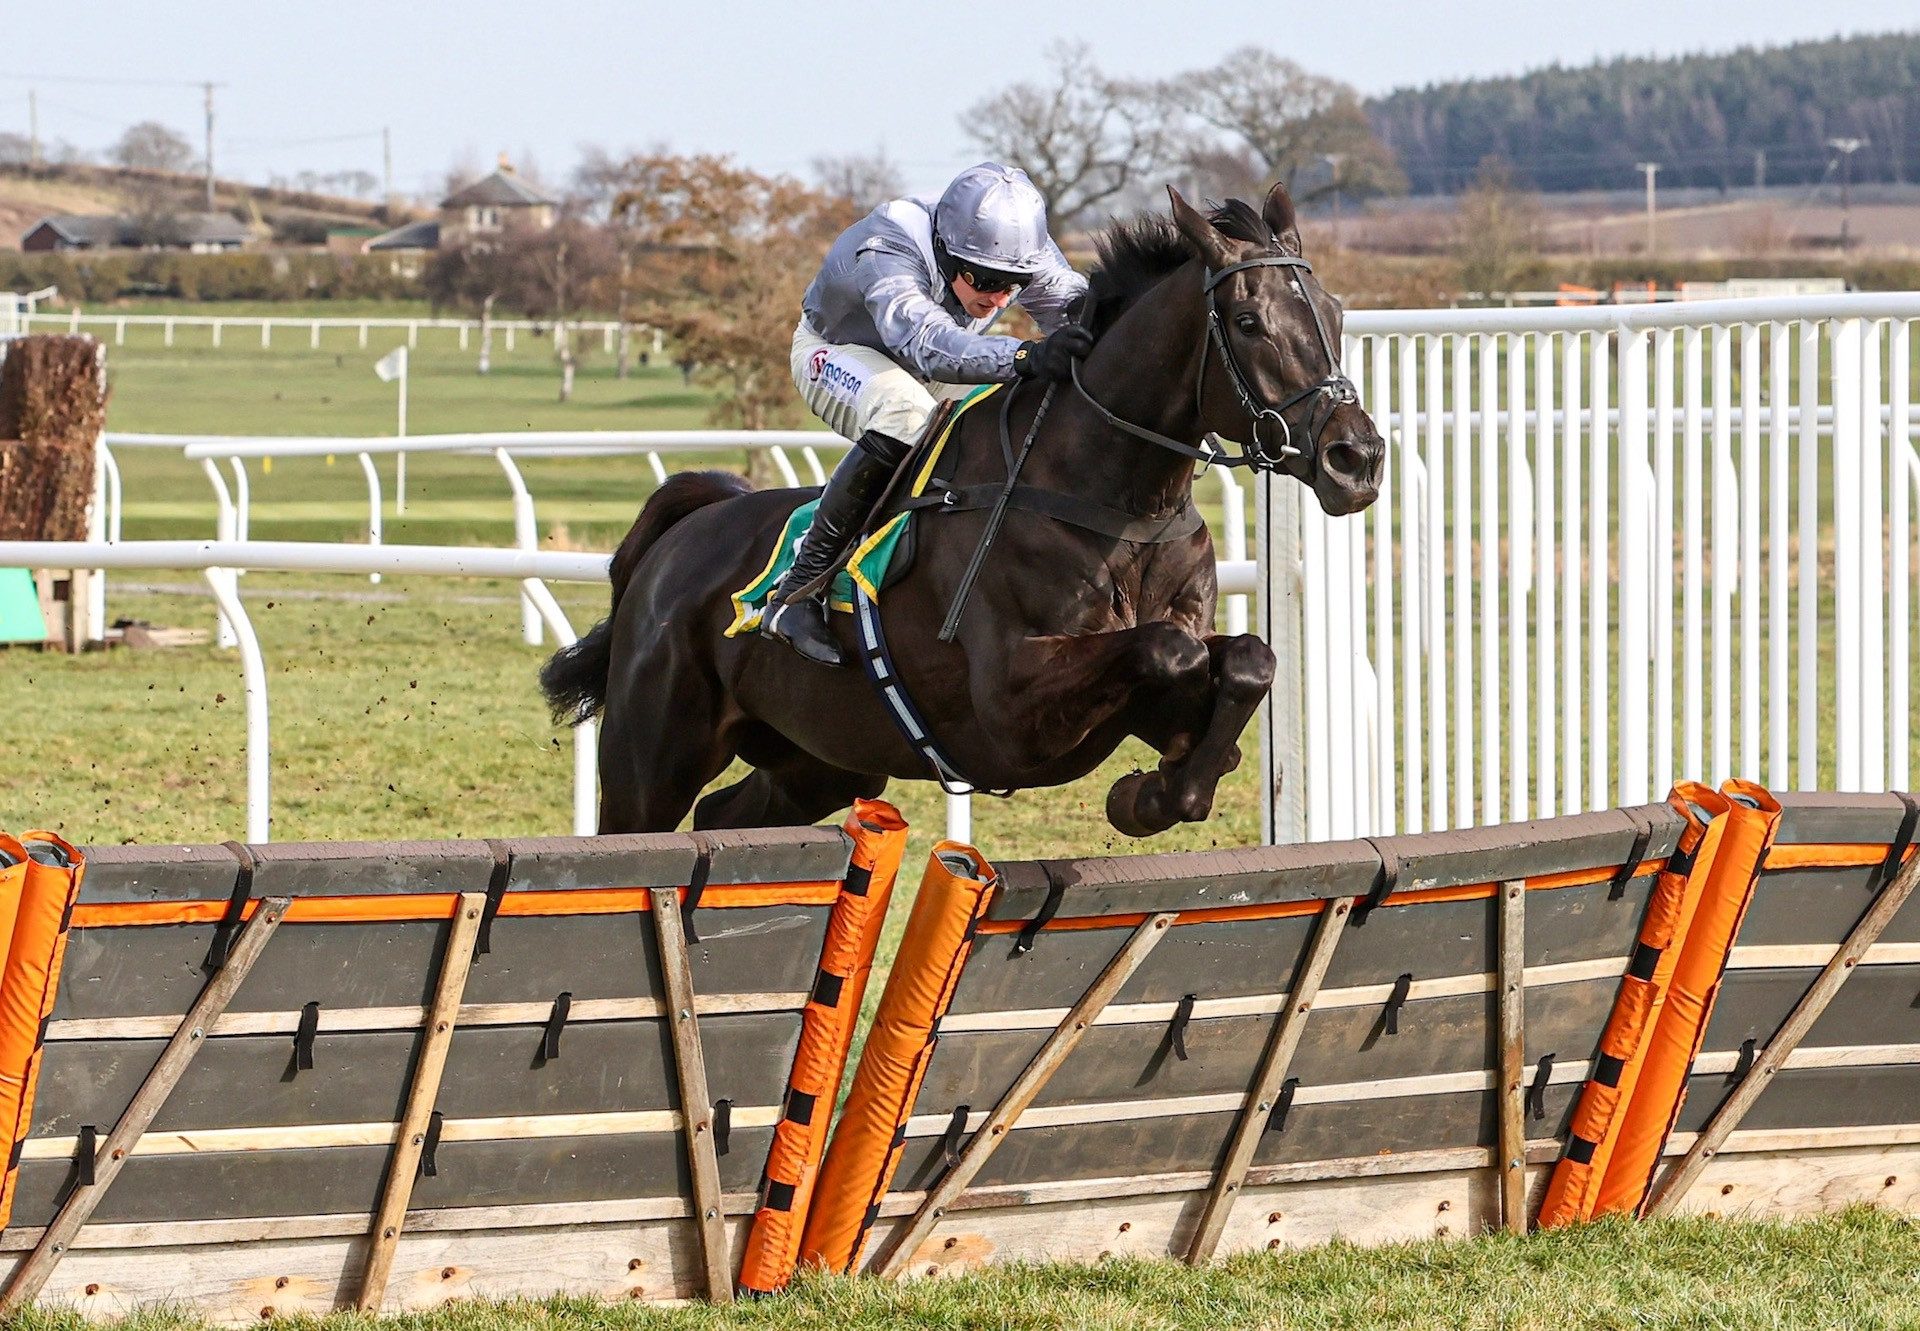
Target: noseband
(1327, 394)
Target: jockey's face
(980, 304)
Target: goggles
(990, 281)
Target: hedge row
(91, 277)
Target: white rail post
(1635, 572)
(959, 817)
(226, 528)
(526, 535)
(1234, 530)
(1848, 447)
(254, 674)
(586, 770)
(373, 505)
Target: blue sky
(309, 86)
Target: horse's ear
(1200, 233)
(1278, 215)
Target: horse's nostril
(1345, 459)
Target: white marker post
(390, 367)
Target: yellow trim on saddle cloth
(747, 616)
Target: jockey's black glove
(1052, 357)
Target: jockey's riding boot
(851, 492)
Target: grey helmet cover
(993, 216)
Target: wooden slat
(1266, 1005)
(1031, 1081)
(339, 1020)
(189, 1038)
(690, 1066)
(1668, 1192)
(1512, 1146)
(1267, 1081)
(530, 1127)
(422, 1090)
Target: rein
(1329, 393)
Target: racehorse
(1208, 326)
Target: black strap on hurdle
(956, 1132)
(1177, 1032)
(1636, 853)
(83, 1153)
(496, 891)
(1743, 1064)
(1277, 1116)
(1902, 839)
(1537, 1091)
(556, 1023)
(1385, 879)
(1029, 931)
(303, 1036)
(1397, 1000)
(722, 1125)
(696, 888)
(429, 1164)
(236, 911)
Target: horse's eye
(1247, 323)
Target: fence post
(1635, 572)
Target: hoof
(1123, 806)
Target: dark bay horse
(1072, 640)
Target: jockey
(898, 318)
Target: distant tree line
(1716, 121)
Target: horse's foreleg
(1197, 751)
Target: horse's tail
(575, 678)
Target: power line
(103, 82)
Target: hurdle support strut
(422, 1089)
(1267, 1081)
(1031, 1081)
(696, 1111)
(187, 1042)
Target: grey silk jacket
(880, 287)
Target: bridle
(1327, 394)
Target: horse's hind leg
(794, 789)
(659, 747)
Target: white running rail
(1616, 546)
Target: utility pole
(386, 157)
(1846, 148)
(1759, 168)
(208, 88)
(1333, 161)
(1650, 169)
(33, 128)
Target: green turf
(1854, 1272)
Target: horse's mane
(1136, 253)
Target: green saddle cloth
(868, 564)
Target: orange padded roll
(866, 1146)
(1573, 1191)
(13, 881)
(1752, 819)
(28, 983)
(826, 1034)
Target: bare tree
(151, 146)
(1497, 230)
(721, 256)
(864, 180)
(1294, 124)
(15, 150)
(1082, 136)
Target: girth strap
(1070, 509)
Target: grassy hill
(29, 194)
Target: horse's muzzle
(1350, 473)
